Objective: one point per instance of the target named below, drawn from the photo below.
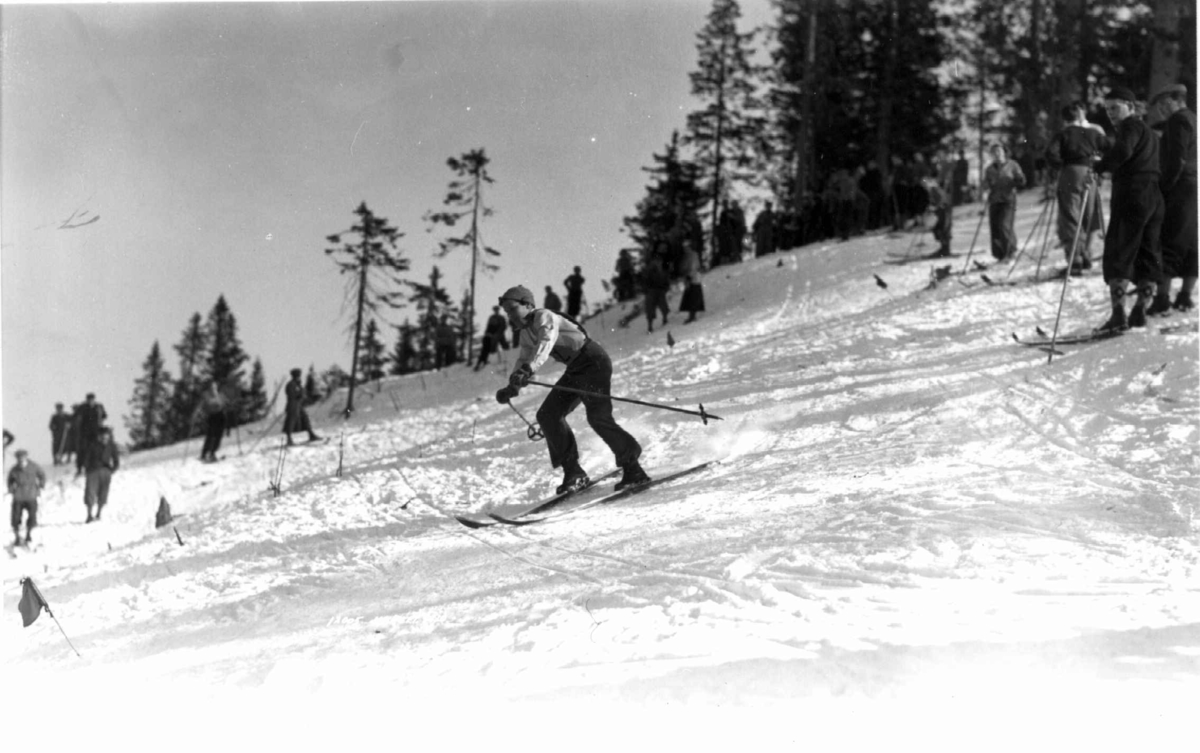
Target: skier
(544, 335)
(213, 407)
(25, 482)
(1074, 149)
(1131, 243)
(101, 459)
(1002, 179)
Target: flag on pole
(32, 603)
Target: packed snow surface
(919, 531)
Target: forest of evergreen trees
(826, 89)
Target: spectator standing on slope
(1074, 151)
(552, 301)
(574, 286)
(1178, 185)
(89, 417)
(60, 423)
(939, 201)
(295, 418)
(764, 231)
(493, 337)
(1002, 179)
(693, 293)
(101, 459)
(1131, 243)
(214, 409)
(626, 280)
(546, 335)
(655, 285)
(25, 483)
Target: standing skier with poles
(543, 335)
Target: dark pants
(95, 490)
(296, 419)
(486, 348)
(1179, 254)
(942, 229)
(656, 301)
(214, 429)
(23, 506)
(1000, 222)
(591, 370)
(574, 304)
(1131, 244)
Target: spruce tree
(192, 349)
(726, 134)
(404, 352)
(312, 393)
(464, 202)
(148, 420)
(226, 358)
(373, 263)
(254, 401)
(670, 208)
(433, 303)
(372, 360)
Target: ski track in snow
(908, 505)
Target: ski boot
(574, 479)
(633, 476)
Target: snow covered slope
(915, 521)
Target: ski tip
(472, 523)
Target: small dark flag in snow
(1041, 331)
(879, 281)
(32, 603)
(163, 516)
(670, 340)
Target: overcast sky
(157, 156)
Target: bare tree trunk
(883, 133)
(803, 141)
(362, 293)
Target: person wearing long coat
(693, 293)
(764, 231)
(1178, 185)
(295, 418)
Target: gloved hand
(521, 376)
(504, 394)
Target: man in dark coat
(101, 459)
(574, 286)
(214, 409)
(655, 284)
(764, 231)
(1131, 243)
(25, 483)
(89, 416)
(1074, 150)
(60, 422)
(493, 337)
(295, 418)
(1178, 185)
(552, 301)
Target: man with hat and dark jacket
(543, 335)
(1177, 151)
(25, 483)
(101, 459)
(1131, 244)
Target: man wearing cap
(1131, 244)
(1178, 186)
(295, 418)
(25, 482)
(543, 335)
(101, 459)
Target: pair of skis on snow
(553, 507)
(1043, 339)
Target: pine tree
(226, 358)
(727, 133)
(404, 352)
(372, 361)
(465, 200)
(191, 349)
(254, 401)
(373, 263)
(148, 422)
(669, 210)
(433, 303)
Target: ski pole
(703, 414)
(978, 227)
(1070, 265)
(1036, 226)
(534, 432)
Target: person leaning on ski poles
(544, 334)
